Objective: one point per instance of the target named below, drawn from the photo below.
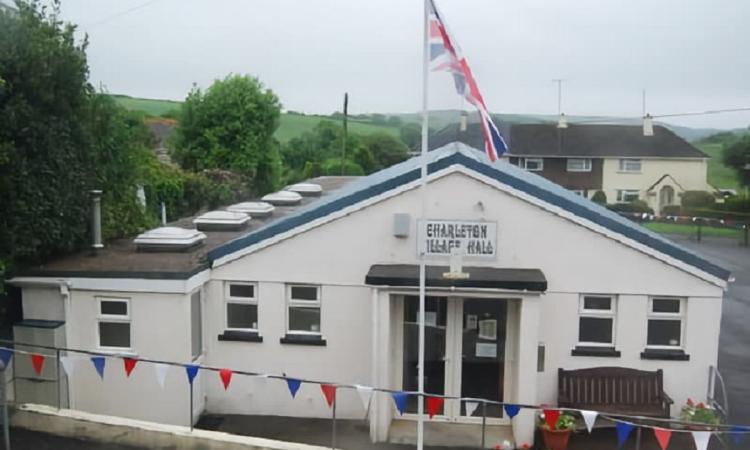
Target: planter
(556, 439)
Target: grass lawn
(680, 228)
(719, 175)
(293, 125)
(148, 106)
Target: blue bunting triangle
(399, 398)
(293, 385)
(623, 431)
(99, 363)
(737, 433)
(192, 371)
(5, 355)
(512, 410)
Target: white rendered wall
(43, 303)
(691, 174)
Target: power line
(120, 14)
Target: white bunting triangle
(365, 394)
(589, 417)
(701, 439)
(161, 373)
(69, 364)
(470, 408)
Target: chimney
(462, 123)
(96, 220)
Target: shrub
(671, 210)
(737, 204)
(698, 199)
(599, 197)
(636, 206)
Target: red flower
(690, 402)
(701, 406)
(526, 446)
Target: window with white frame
(627, 195)
(630, 165)
(666, 317)
(580, 192)
(531, 164)
(579, 165)
(596, 323)
(241, 306)
(113, 327)
(303, 304)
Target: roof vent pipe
(96, 220)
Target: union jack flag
(446, 56)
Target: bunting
(293, 386)
(701, 439)
(737, 433)
(512, 410)
(329, 392)
(551, 416)
(68, 364)
(470, 408)
(129, 364)
(160, 370)
(589, 417)
(662, 437)
(226, 377)
(623, 431)
(99, 363)
(191, 370)
(37, 361)
(365, 394)
(434, 405)
(399, 398)
(5, 355)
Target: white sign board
(448, 237)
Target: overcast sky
(689, 55)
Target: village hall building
(326, 288)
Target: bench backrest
(611, 386)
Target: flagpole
(423, 195)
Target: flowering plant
(699, 413)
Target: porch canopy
(407, 275)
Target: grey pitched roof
(472, 159)
(579, 140)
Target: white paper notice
(484, 350)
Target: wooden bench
(616, 390)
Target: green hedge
(636, 206)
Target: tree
(737, 156)
(386, 149)
(230, 126)
(411, 134)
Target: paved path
(31, 440)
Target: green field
(148, 106)
(719, 175)
(679, 228)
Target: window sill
(665, 354)
(601, 352)
(303, 339)
(240, 336)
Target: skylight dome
(283, 198)
(221, 221)
(255, 209)
(169, 239)
(306, 189)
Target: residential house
(615, 159)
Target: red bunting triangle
(226, 377)
(433, 405)
(551, 416)
(38, 362)
(129, 365)
(329, 391)
(663, 436)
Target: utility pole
(343, 140)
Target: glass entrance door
(483, 354)
(436, 322)
(465, 343)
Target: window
(304, 309)
(665, 319)
(596, 326)
(579, 165)
(113, 325)
(196, 324)
(531, 164)
(241, 306)
(627, 195)
(580, 192)
(630, 165)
